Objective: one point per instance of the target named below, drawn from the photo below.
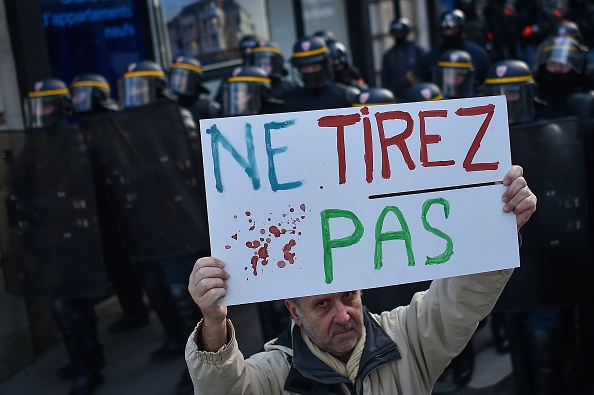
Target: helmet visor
(519, 97)
(563, 53)
(82, 98)
(454, 82)
(139, 91)
(43, 112)
(242, 98)
(182, 81)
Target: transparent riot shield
(150, 165)
(50, 233)
(555, 256)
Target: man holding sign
(335, 343)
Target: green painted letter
(445, 256)
(329, 244)
(380, 237)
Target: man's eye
(349, 294)
(322, 303)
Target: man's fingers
(515, 172)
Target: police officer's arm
(518, 197)
(207, 285)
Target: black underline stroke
(421, 191)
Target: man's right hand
(207, 285)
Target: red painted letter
(398, 140)
(476, 143)
(339, 122)
(431, 138)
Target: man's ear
(292, 307)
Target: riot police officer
(268, 56)
(312, 63)
(558, 72)
(451, 29)
(91, 95)
(185, 80)
(344, 71)
(247, 92)
(400, 63)
(46, 108)
(538, 303)
(454, 74)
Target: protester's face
(311, 68)
(333, 322)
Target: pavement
(130, 371)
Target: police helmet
(246, 44)
(185, 77)
(339, 54)
(374, 96)
(48, 104)
(513, 79)
(423, 91)
(400, 28)
(452, 19)
(568, 29)
(245, 91)
(454, 74)
(268, 56)
(144, 82)
(312, 58)
(91, 93)
(561, 50)
(327, 35)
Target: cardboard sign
(326, 201)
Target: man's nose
(341, 315)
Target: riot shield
(150, 166)
(51, 239)
(555, 256)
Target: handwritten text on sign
(326, 201)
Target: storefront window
(326, 15)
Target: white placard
(300, 205)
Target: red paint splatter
(291, 209)
(299, 233)
(302, 207)
(269, 219)
(281, 264)
(289, 256)
(262, 231)
(234, 236)
(321, 187)
(252, 244)
(235, 216)
(250, 220)
(247, 213)
(274, 230)
(303, 217)
(254, 262)
(252, 227)
(263, 254)
(268, 240)
(227, 247)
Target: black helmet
(327, 35)
(400, 28)
(91, 93)
(423, 91)
(144, 82)
(562, 50)
(454, 74)
(451, 28)
(48, 104)
(311, 51)
(185, 77)
(268, 56)
(513, 79)
(246, 44)
(374, 96)
(246, 91)
(568, 29)
(339, 54)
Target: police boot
(463, 365)
(546, 374)
(188, 315)
(161, 303)
(77, 323)
(519, 350)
